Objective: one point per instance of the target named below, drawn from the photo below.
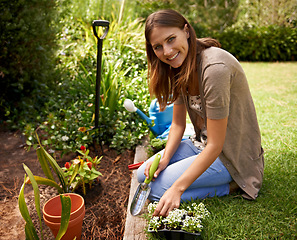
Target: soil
(106, 203)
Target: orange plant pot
(52, 216)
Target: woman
(209, 84)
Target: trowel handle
(153, 168)
(100, 23)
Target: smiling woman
(209, 84)
(170, 30)
(170, 44)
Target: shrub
(27, 50)
(272, 43)
(156, 145)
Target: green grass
(274, 214)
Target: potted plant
(30, 230)
(64, 213)
(183, 223)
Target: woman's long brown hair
(167, 83)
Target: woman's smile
(174, 56)
(170, 44)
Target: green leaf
(85, 138)
(86, 168)
(56, 168)
(36, 194)
(44, 164)
(54, 165)
(29, 228)
(65, 215)
(98, 160)
(80, 152)
(75, 171)
(48, 182)
(29, 232)
(92, 177)
(96, 172)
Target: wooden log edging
(135, 225)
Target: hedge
(272, 43)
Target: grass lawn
(274, 214)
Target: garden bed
(106, 203)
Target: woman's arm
(216, 132)
(174, 138)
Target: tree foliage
(210, 14)
(206, 16)
(261, 13)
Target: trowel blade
(141, 194)
(144, 189)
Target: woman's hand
(162, 165)
(169, 201)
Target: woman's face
(170, 44)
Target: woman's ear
(186, 29)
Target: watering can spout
(144, 117)
(130, 107)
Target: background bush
(27, 50)
(271, 43)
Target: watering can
(157, 121)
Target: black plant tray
(176, 234)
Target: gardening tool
(99, 23)
(143, 190)
(158, 122)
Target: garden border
(135, 225)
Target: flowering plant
(188, 218)
(82, 170)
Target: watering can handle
(100, 23)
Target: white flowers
(151, 208)
(65, 138)
(175, 218)
(192, 224)
(188, 218)
(155, 223)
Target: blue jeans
(213, 182)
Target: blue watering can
(158, 122)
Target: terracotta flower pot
(52, 216)
(52, 208)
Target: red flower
(89, 165)
(83, 148)
(67, 165)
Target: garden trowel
(143, 189)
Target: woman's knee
(140, 173)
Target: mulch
(106, 203)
